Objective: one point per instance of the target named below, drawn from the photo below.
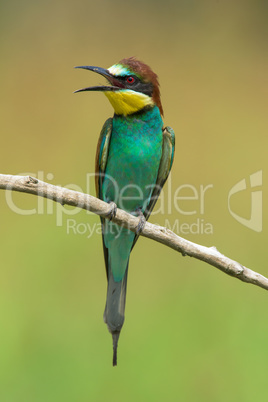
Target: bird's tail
(114, 313)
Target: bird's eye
(130, 80)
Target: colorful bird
(134, 157)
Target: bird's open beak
(115, 84)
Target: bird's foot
(112, 211)
(141, 224)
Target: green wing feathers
(168, 149)
(102, 154)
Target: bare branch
(210, 255)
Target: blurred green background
(191, 332)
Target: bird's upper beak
(115, 84)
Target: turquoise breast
(134, 153)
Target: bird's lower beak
(115, 85)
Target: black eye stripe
(137, 85)
(126, 78)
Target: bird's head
(133, 86)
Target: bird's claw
(112, 211)
(141, 224)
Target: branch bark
(210, 255)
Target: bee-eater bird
(134, 157)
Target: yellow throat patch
(127, 101)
